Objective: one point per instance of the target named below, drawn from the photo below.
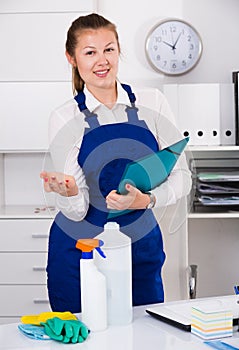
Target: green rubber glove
(66, 331)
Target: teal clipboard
(149, 172)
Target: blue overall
(104, 153)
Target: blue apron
(104, 153)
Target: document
(212, 188)
(225, 200)
(218, 188)
(218, 176)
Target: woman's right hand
(60, 183)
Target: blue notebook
(150, 171)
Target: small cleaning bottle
(118, 272)
(93, 286)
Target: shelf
(213, 148)
(229, 215)
(23, 151)
(27, 212)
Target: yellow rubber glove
(44, 316)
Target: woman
(93, 137)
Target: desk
(144, 333)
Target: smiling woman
(93, 137)
(95, 60)
(96, 54)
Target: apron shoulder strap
(90, 118)
(80, 99)
(131, 95)
(132, 112)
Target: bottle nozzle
(88, 245)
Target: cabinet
(213, 237)
(24, 230)
(23, 256)
(34, 80)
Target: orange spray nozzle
(87, 245)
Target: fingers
(76, 332)
(58, 182)
(122, 202)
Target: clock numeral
(158, 58)
(155, 47)
(173, 64)
(191, 47)
(173, 29)
(184, 63)
(189, 38)
(158, 39)
(165, 63)
(190, 56)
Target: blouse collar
(92, 103)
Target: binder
(236, 105)
(204, 112)
(227, 114)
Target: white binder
(204, 112)
(227, 115)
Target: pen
(236, 290)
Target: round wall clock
(173, 47)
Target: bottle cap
(111, 225)
(112, 236)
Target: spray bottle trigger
(100, 251)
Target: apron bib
(104, 153)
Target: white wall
(216, 21)
(37, 55)
(218, 24)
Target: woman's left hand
(134, 199)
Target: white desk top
(144, 333)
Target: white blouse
(66, 130)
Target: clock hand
(172, 46)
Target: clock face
(173, 47)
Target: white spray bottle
(93, 286)
(118, 272)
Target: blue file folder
(150, 171)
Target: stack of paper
(211, 322)
(218, 188)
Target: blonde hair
(92, 21)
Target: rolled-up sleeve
(64, 139)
